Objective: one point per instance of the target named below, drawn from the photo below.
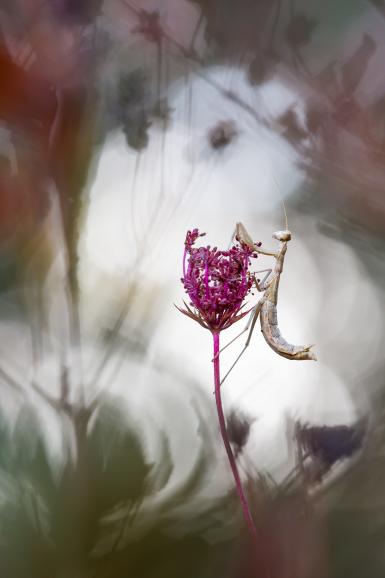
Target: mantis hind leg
(250, 322)
(249, 327)
(261, 286)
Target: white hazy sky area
(324, 296)
(134, 223)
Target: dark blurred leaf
(30, 457)
(327, 445)
(150, 26)
(238, 429)
(236, 27)
(354, 69)
(260, 70)
(116, 461)
(78, 11)
(134, 105)
(133, 89)
(314, 118)
(136, 131)
(222, 134)
(26, 483)
(300, 30)
(328, 80)
(291, 127)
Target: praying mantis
(266, 308)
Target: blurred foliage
(87, 516)
(299, 31)
(133, 103)
(78, 11)
(58, 114)
(52, 131)
(101, 509)
(101, 512)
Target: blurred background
(123, 123)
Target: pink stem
(226, 442)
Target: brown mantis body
(267, 306)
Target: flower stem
(226, 442)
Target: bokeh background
(122, 125)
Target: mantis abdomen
(273, 337)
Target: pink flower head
(216, 282)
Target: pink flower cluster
(216, 282)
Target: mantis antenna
(284, 210)
(282, 200)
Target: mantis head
(282, 236)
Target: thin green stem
(225, 438)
